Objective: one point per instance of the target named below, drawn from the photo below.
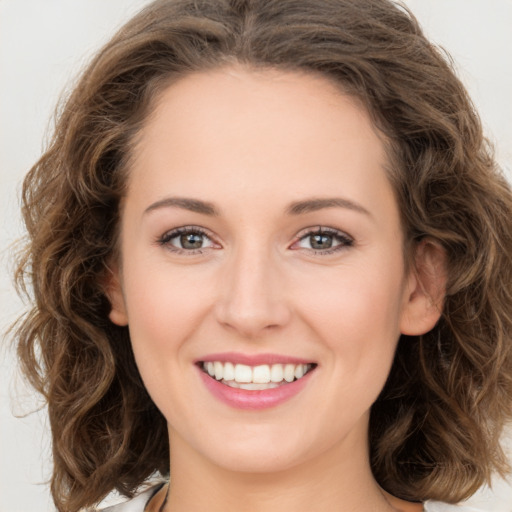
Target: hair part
(435, 429)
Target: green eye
(320, 242)
(324, 240)
(186, 239)
(190, 240)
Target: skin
(252, 143)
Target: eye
(186, 239)
(323, 240)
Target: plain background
(44, 44)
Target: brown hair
(434, 431)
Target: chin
(252, 449)
(262, 460)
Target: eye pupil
(320, 241)
(191, 240)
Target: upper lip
(252, 359)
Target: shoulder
(437, 506)
(136, 504)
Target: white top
(139, 502)
(136, 504)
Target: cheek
(356, 315)
(352, 301)
(164, 309)
(358, 324)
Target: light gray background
(43, 45)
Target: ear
(114, 291)
(426, 289)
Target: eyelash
(166, 238)
(343, 239)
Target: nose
(252, 296)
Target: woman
(270, 254)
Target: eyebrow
(313, 205)
(193, 205)
(295, 208)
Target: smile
(255, 378)
(254, 383)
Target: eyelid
(318, 228)
(165, 238)
(346, 239)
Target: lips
(254, 382)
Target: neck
(334, 480)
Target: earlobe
(426, 289)
(114, 293)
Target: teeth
(252, 386)
(219, 370)
(276, 373)
(299, 371)
(289, 372)
(243, 373)
(263, 376)
(229, 371)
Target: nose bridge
(253, 297)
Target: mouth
(255, 378)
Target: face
(261, 242)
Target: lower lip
(254, 399)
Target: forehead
(276, 133)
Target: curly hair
(436, 426)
